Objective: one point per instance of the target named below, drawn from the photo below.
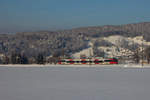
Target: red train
(88, 61)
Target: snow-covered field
(51, 65)
(74, 83)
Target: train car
(66, 61)
(92, 61)
(111, 61)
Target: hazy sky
(32, 15)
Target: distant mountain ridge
(129, 30)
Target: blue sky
(34, 15)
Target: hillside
(67, 41)
(113, 46)
(125, 30)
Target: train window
(70, 61)
(83, 61)
(77, 61)
(107, 60)
(63, 61)
(100, 61)
(90, 61)
(96, 61)
(115, 60)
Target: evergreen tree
(6, 60)
(147, 53)
(13, 58)
(1, 61)
(40, 59)
(136, 56)
(24, 59)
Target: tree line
(40, 58)
(21, 58)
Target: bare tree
(136, 56)
(147, 54)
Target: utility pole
(142, 46)
(142, 53)
(90, 57)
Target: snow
(116, 49)
(74, 83)
(83, 65)
(88, 52)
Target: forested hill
(66, 41)
(129, 30)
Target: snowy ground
(51, 65)
(74, 83)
